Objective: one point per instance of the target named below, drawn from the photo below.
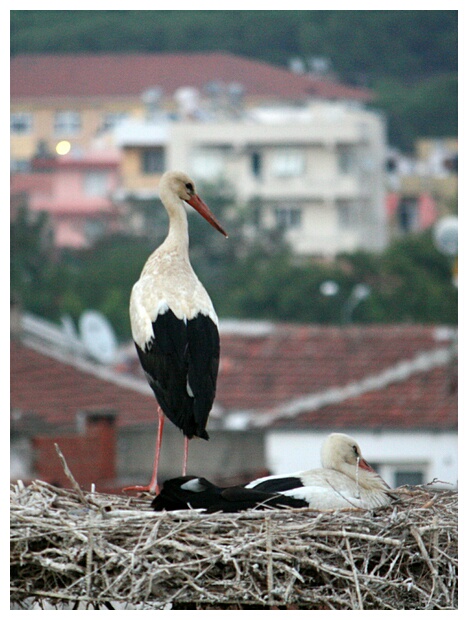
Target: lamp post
(360, 292)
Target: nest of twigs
(71, 549)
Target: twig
(269, 552)
(355, 575)
(70, 476)
(424, 553)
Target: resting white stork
(346, 480)
(174, 324)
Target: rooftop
(129, 75)
(386, 376)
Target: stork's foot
(150, 488)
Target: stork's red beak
(197, 203)
(365, 465)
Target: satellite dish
(446, 235)
(98, 336)
(68, 327)
(71, 336)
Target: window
(346, 159)
(207, 164)
(111, 119)
(20, 165)
(21, 123)
(412, 477)
(153, 160)
(407, 215)
(403, 473)
(67, 123)
(288, 217)
(95, 183)
(288, 163)
(346, 214)
(256, 164)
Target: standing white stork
(174, 324)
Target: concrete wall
(228, 456)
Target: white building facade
(318, 172)
(400, 457)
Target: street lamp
(329, 288)
(360, 292)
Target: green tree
(102, 277)
(252, 276)
(31, 264)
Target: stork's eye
(190, 188)
(356, 451)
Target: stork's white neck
(177, 237)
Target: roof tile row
(261, 372)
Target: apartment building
(424, 187)
(303, 149)
(75, 97)
(316, 171)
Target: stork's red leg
(153, 486)
(184, 467)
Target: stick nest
(71, 549)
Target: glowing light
(63, 147)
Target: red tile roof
(426, 400)
(262, 371)
(375, 377)
(128, 75)
(56, 390)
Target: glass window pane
(346, 159)
(67, 123)
(21, 123)
(207, 165)
(287, 163)
(111, 119)
(153, 160)
(288, 217)
(95, 183)
(408, 477)
(256, 164)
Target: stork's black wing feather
(194, 492)
(181, 365)
(277, 485)
(203, 353)
(177, 494)
(235, 499)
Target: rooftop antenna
(152, 98)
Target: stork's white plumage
(345, 480)
(174, 324)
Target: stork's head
(340, 450)
(175, 184)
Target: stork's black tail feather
(195, 492)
